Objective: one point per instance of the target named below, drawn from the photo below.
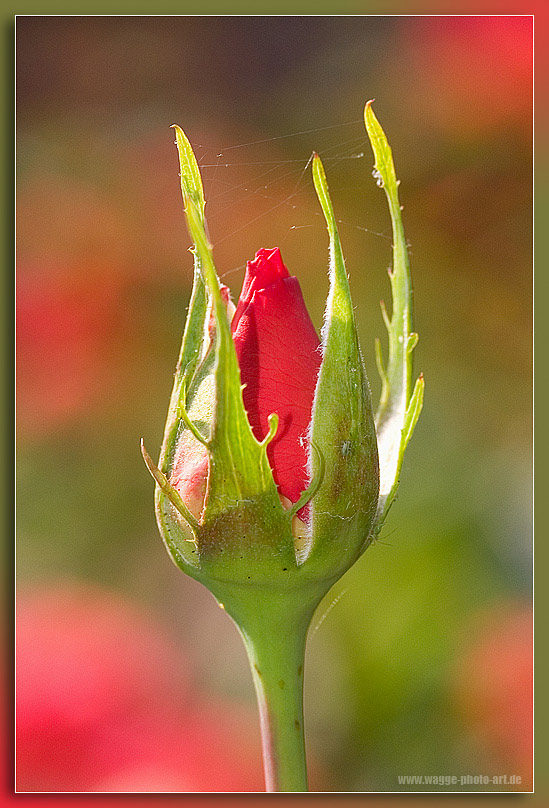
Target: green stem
(274, 628)
(277, 658)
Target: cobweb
(269, 180)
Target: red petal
(278, 351)
(266, 268)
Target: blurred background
(129, 676)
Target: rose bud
(265, 423)
(268, 483)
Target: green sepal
(195, 332)
(176, 534)
(398, 411)
(342, 425)
(189, 172)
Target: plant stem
(277, 658)
(274, 628)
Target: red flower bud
(247, 401)
(279, 356)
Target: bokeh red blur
(493, 684)
(106, 702)
(464, 62)
(130, 678)
(66, 325)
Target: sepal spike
(314, 485)
(168, 489)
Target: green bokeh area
(104, 280)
